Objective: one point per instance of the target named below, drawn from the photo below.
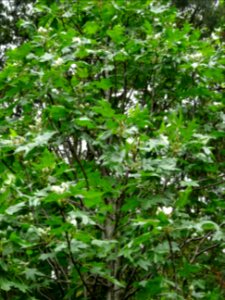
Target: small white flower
(196, 55)
(72, 69)
(58, 62)
(166, 210)
(194, 65)
(130, 140)
(55, 91)
(60, 189)
(76, 40)
(42, 30)
(65, 186)
(72, 221)
(214, 36)
(57, 189)
(40, 231)
(53, 275)
(73, 66)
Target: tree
(112, 171)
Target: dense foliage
(112, 156)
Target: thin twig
(206, 249)
(209, 185)
(196, 254)
(8, 166)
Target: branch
(209, 185)
(8, 166)
(172, 261)
(197, 252)
(191, 240)
(79, 163)
(54, 267)
(134, 271)
(72, 258)
(197, 8)
(204, 250)
(135, 290)
(44, 295)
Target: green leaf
(15, 208)
(104, 84)
(91, 28)
(40, 140)
(31, 273)
(5, 284)
(85, 122)
(58, 112)
(117, 33)
(46, 57)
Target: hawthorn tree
(112, 156)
